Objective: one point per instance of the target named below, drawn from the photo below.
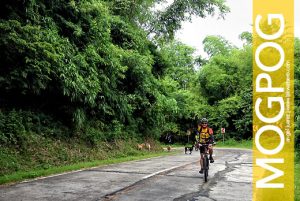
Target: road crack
(114, 195)
(205, 188)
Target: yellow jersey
(204, 134)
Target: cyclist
(205, 137)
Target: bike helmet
(204, 120)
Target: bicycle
(205, 161)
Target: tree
(105, 69)
(214, 45)
(166, 22)
(163, 23)
(226, 83)
(180, 63)
(246, 37)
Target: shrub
(11, 128)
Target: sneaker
(201, 171)
(211, 159)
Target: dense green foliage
(91, 72)
(226, 82)
(87, 66)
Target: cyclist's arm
(211, 135)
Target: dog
(169, 148)
(188, 149)
(140, 146)
(148, 146)
(144, 146)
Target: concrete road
(161, 178)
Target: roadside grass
(24, 175)
(231, 143)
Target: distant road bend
(162, 178)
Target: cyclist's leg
(201, 163)
(201, 158)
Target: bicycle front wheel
(205, 164)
